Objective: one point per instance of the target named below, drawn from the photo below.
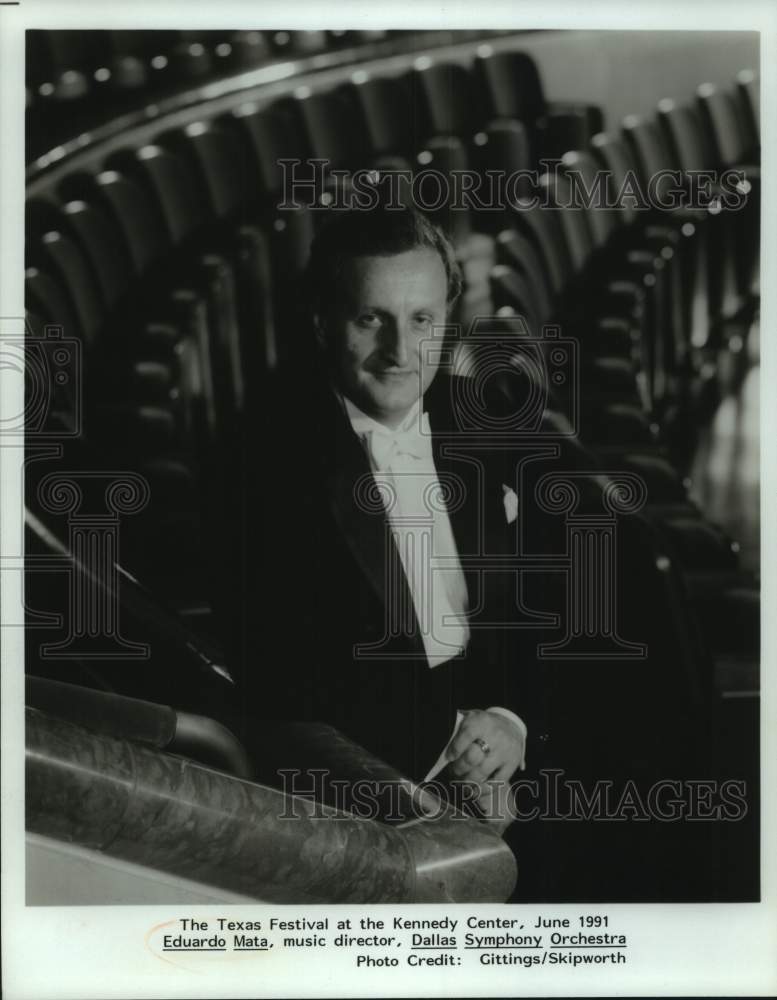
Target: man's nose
(396, 345)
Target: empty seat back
(721, 119)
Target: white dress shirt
(403, 466)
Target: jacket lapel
(360, 516)
(463, 470)
(478, 521)
(359, 513)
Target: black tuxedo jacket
(321, 581)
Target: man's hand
(503, 740)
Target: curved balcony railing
(88, 147)
(184, 819)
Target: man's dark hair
(381, 232)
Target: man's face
(388, 308)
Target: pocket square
(510, 500)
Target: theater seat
(165, 178)
(273, 134)
(46, 297)
(443, 158)
(722, 124)
(244, 49)
(58, 254)
(451, 100)
(748, 94)
(124, 201)
(335, 128)
(104, 247)
(512, 83)
(393, 123)
(221, 163)
(501, 148)
(565, 129)
(727, 135)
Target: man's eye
(368, 320)
(423, 319)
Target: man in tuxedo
(368, 517)
(382, 593)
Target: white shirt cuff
(507, 714)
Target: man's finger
(473, 755)
(476, 761)
(468, 730)
(464, 768)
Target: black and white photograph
(384, 482)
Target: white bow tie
(385, 445)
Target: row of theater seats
(697, 265)
(174, 266)
(53, 52)
(630, 284)
(71, 64)
(91, 76)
